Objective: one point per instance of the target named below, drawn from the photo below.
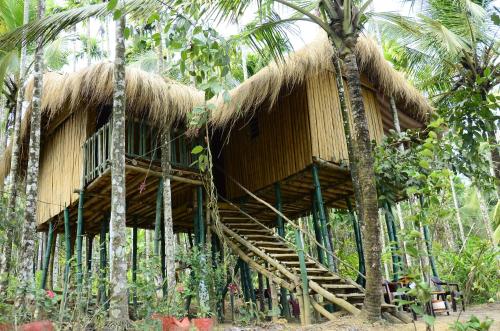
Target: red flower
(180, 289)
(233, 288)
(50, 294)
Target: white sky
(306, 31)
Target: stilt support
(281, 231)
(134, 265)
(159, 194)
(79, 242)
(46, 259)
(103, 262)
(303, 276)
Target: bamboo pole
(46, 261)
(428, 243)
(320, 309)
(284, 271)
(90, 241)
(134, 265)
(67, 239)
(156, 247)
(303, 276)
(281, 232)
(317, 233)
(322, 217)
(159, 174)
(102, 262)
(391, 230)
(359, 243)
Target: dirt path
(350, 323)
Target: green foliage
(472, 324)
(474, 267)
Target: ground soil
(350, 323)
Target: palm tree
(13, 191)
(447, 49)
(342, 22)
(118, 311)
(29, 228)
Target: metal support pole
(322, 216)
(359, 244)
(303, 276)
(46, 258)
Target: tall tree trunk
(457, 211)
(29, 228)
(3, 122)
(485, 215)
(16, 141)
(167, 213)
(118, 311)
(368, 201)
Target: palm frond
(50, 26)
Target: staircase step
(323, 278)
(296, 263)
(338, 286)
(313, 270)
(262, 244)
(276, 249)
(350, 295)
(237, 225)
(252, 231)
(261, 236)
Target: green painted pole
(317, 233)
(90, 242)
(102, 261)
(279, 220)
(303, 277)
(159, 196)
(79, 242)
(359, 244)
(389, 221)
(428, 243)
(250, 283)
(46, 258)
(67, 237)
(201, 224)
(281, 232)
(322, 216)
(134, 265)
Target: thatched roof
(263, 89)
(150, 96)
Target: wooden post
(79, 241)
(322, 216)
(134, 265)
(303, 276)
(317, 233)
(281, 232)
(103, 262)
(46, 258)
(157, 235)
(273, 300)
(250, 283)
(359, 243)
(391, 230)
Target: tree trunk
(368, 201)
(3, 124)
(14, 162)
(457, 211)
(485, 214)
(118, 311)
(29, 228)
(167, 214)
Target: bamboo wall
(61, 166)
(281, 148)
(327, 132)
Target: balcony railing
(142, 142)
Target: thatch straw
(263, 89)
(160, 100)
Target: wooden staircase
(277, 259)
